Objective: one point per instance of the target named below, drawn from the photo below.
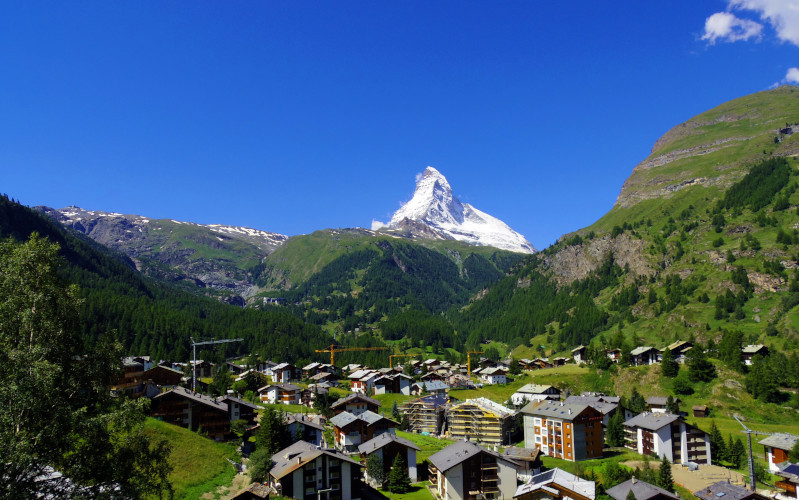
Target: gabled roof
(642, 490)
(753, 349)
(193, 396)
(578, 348)
(354, 397)
(282, 366)
(383, 439)
(651, 421)
(594, 402)
(300, 453)
(300, 419)
(312, 366)
(282, 387)
(345, 418)
(496, 370)
(554, 409)
(433, 385)
(534, 389)
(456, 453)
(781, 440)
(222, 399)
(563, 479)
(658, 400)
(641, 350)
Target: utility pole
(749, 432)
(194, 345)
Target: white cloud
(792, 76)
(376, 224)
(726, 26)
(782, 15)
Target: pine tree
(665, 480)
(374, 469)
(672, 406)
(738, 453)
(717, 448)
(398, 479)
(615, 430)
(669, 367)
(637, 402)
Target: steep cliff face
(575, 262)
(715, 147)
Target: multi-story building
(466, 471)
(351, 430)
(563, 430)
(303, 469)
(481, 420)
(286, 394)
(666, 434)
(426, 414)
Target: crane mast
(194, 345)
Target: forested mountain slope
(156, 319)
(702, 240)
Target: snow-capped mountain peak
(434, 212)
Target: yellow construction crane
(469, 360)
(333, 350)
(392, 356)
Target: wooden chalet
(351, 430)
(303, 469)
(387, 446)
(193, 411)
(355, 403)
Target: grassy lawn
(429, 445)
(418, 491)
(198, 464)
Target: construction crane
(333, 350)
(469, 361)
(749, 433)
(194, 345)
(392, 356)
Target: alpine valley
(703, 240)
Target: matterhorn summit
(434, 212)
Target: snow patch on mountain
(434, 212)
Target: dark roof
(193, 396)
(642, 490)
(554, 409)
(657, 400)
(345, 418)
(724, 490)
(255, 490)
(651, 421)
(456, 453)
(383, 439)
(594, 402)
(300, 453)
(353, 397)
(240, 401)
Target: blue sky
(297, 116)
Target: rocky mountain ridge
(213, 256)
